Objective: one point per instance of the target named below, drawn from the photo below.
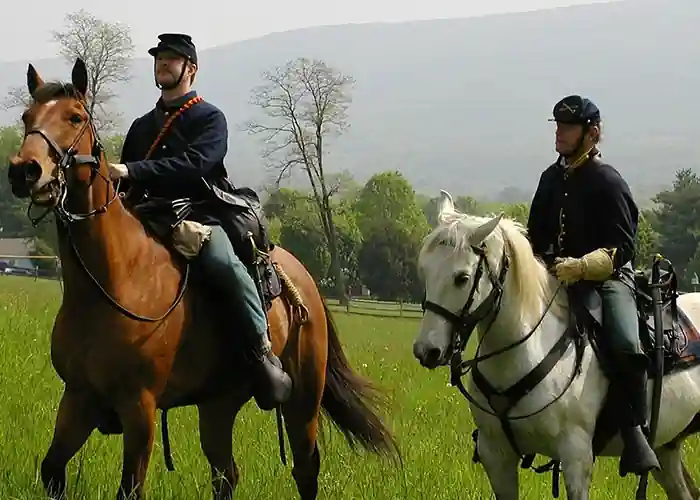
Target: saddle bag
(240, 212)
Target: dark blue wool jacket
(193, 148)
(592, 207)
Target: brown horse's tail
(351, 401)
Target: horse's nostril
(432, 355)
(32, 171)
(28, 172)
(15, 173)
(22, 176)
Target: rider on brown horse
(169, 153)
(583, 221)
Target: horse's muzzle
(428, 356)
(23, 176)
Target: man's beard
(169, 83)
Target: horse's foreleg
(216, 419)
(672, 476)
(501, 465)
(137, 415)
(77, 417)
(690, 482)
(576, 456)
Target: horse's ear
(34, 81)
(79, 77)
(483, 231)
(445, 205)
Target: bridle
(68, 159)
(464, 323)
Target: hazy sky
(217, 22)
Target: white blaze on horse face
(40, 152)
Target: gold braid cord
(302, 313)
(298, 308)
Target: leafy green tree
(647, 241)
(388, 262)
(14, 222)
(113, 147)
(349, 241)
(388, 196)
(281, 200)
(677, 222)
(274, 229)
(392, 226)
(13, 218)
(300, 235)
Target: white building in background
(14, 253)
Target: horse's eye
(76, 119)
(461, 279)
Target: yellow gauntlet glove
(594, 266)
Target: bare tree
(306, 102)
(107, 50)
(16, 97)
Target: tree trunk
(335, 258)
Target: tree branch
(107, 50)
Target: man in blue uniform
(583, 223)
(172, 163)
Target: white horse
(523, 326)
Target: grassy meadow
(430, 419)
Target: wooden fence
(375, 308)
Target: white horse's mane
(529, 286)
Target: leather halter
(463, 324)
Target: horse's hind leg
(302, 428)
(137, 415)
(301, 414)
(671, 477)
(76, 418)
(216, 420)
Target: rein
(463, 324)
(70, 159)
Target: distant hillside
(464, 103)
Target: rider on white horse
(583, 224)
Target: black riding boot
(272, 386)
(637, 456)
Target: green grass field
(430, 419)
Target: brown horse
(119, 366)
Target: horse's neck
(105, 243)
(512, 324)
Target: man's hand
(118, 171)
(594, 266)
(569, 270)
